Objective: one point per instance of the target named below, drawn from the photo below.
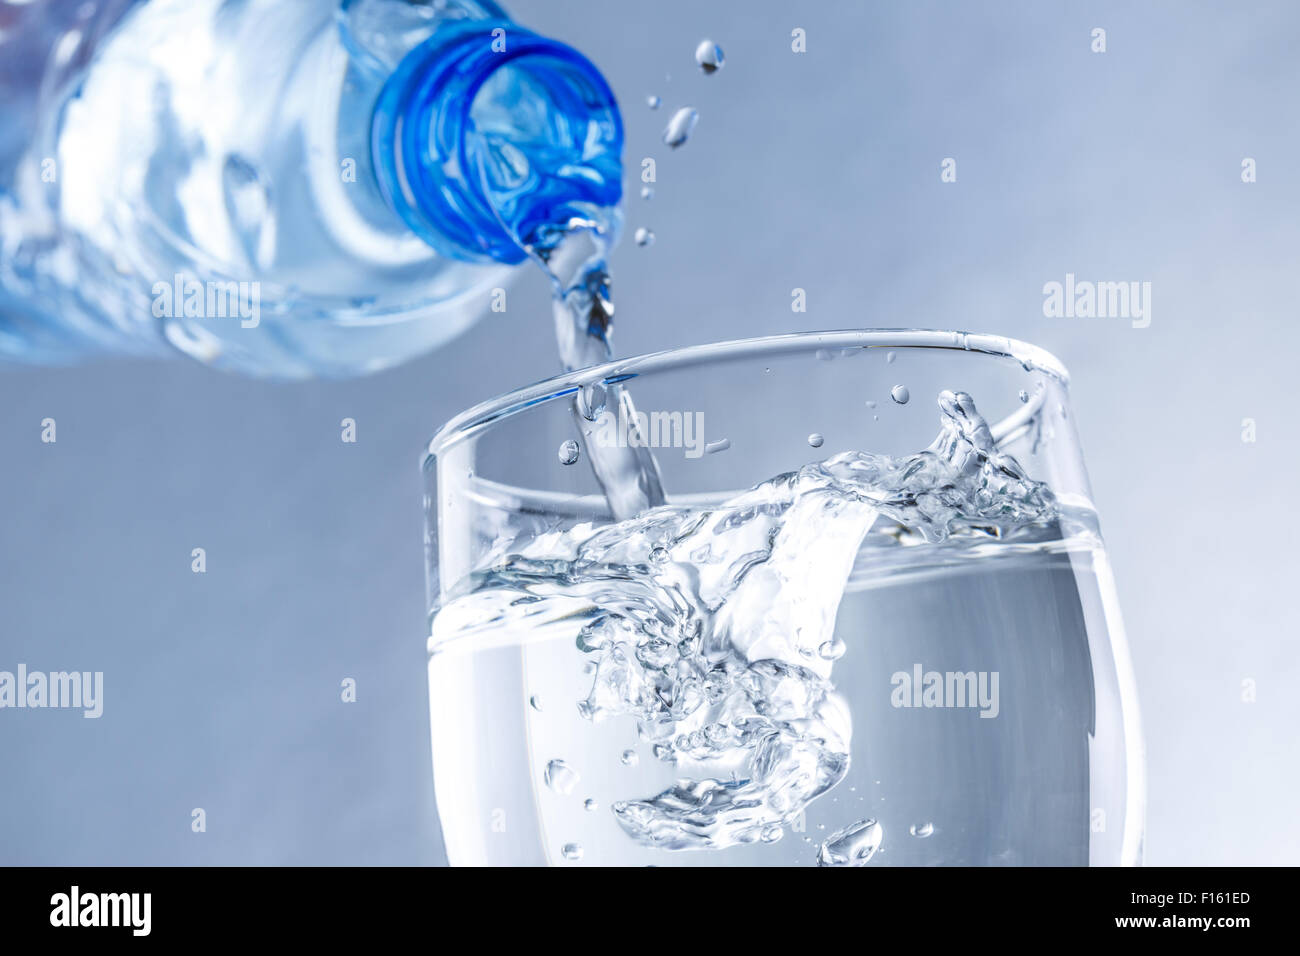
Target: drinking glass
(982, 682)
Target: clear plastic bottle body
(203, 179)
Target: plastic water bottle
(289, 188)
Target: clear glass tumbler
(905, 651)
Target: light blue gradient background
(819, 171)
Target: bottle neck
(488, 139)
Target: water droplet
(1024, 396)
(772, 834)
(853, 846)
(536, 703)
(644, 237)
(832, 650)
(870, 404)
(921, 830)
(900, 394)
(647, 192)
(713, 447)
(709, 56)
(680, 127)
(816, 440)
(591, 400)
(572, 851)
(889, 357)
(568, 452)
(658, 555)
(560, 777)
(590, 804)
(629, 758)
(653, 101)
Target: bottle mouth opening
(488, 134)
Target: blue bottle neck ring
(487, 135)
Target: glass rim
(480, 416)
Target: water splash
(855, 845)
(721, 645)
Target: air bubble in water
(644, 237)
(568, 452)
(852, 846)
(816, 440)
(713, 447)
(921, 830)
(653, 101)
(1024, 396)
(889, 357)
(680, 127)
(536, 703)
(832, 650)
(772, 834)
(629, 758)
(590, 804)
(658, 555)
(900, 394)
(647, 192)
(572, 851)
(709, 56)
(560, 777)
(588, 641)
